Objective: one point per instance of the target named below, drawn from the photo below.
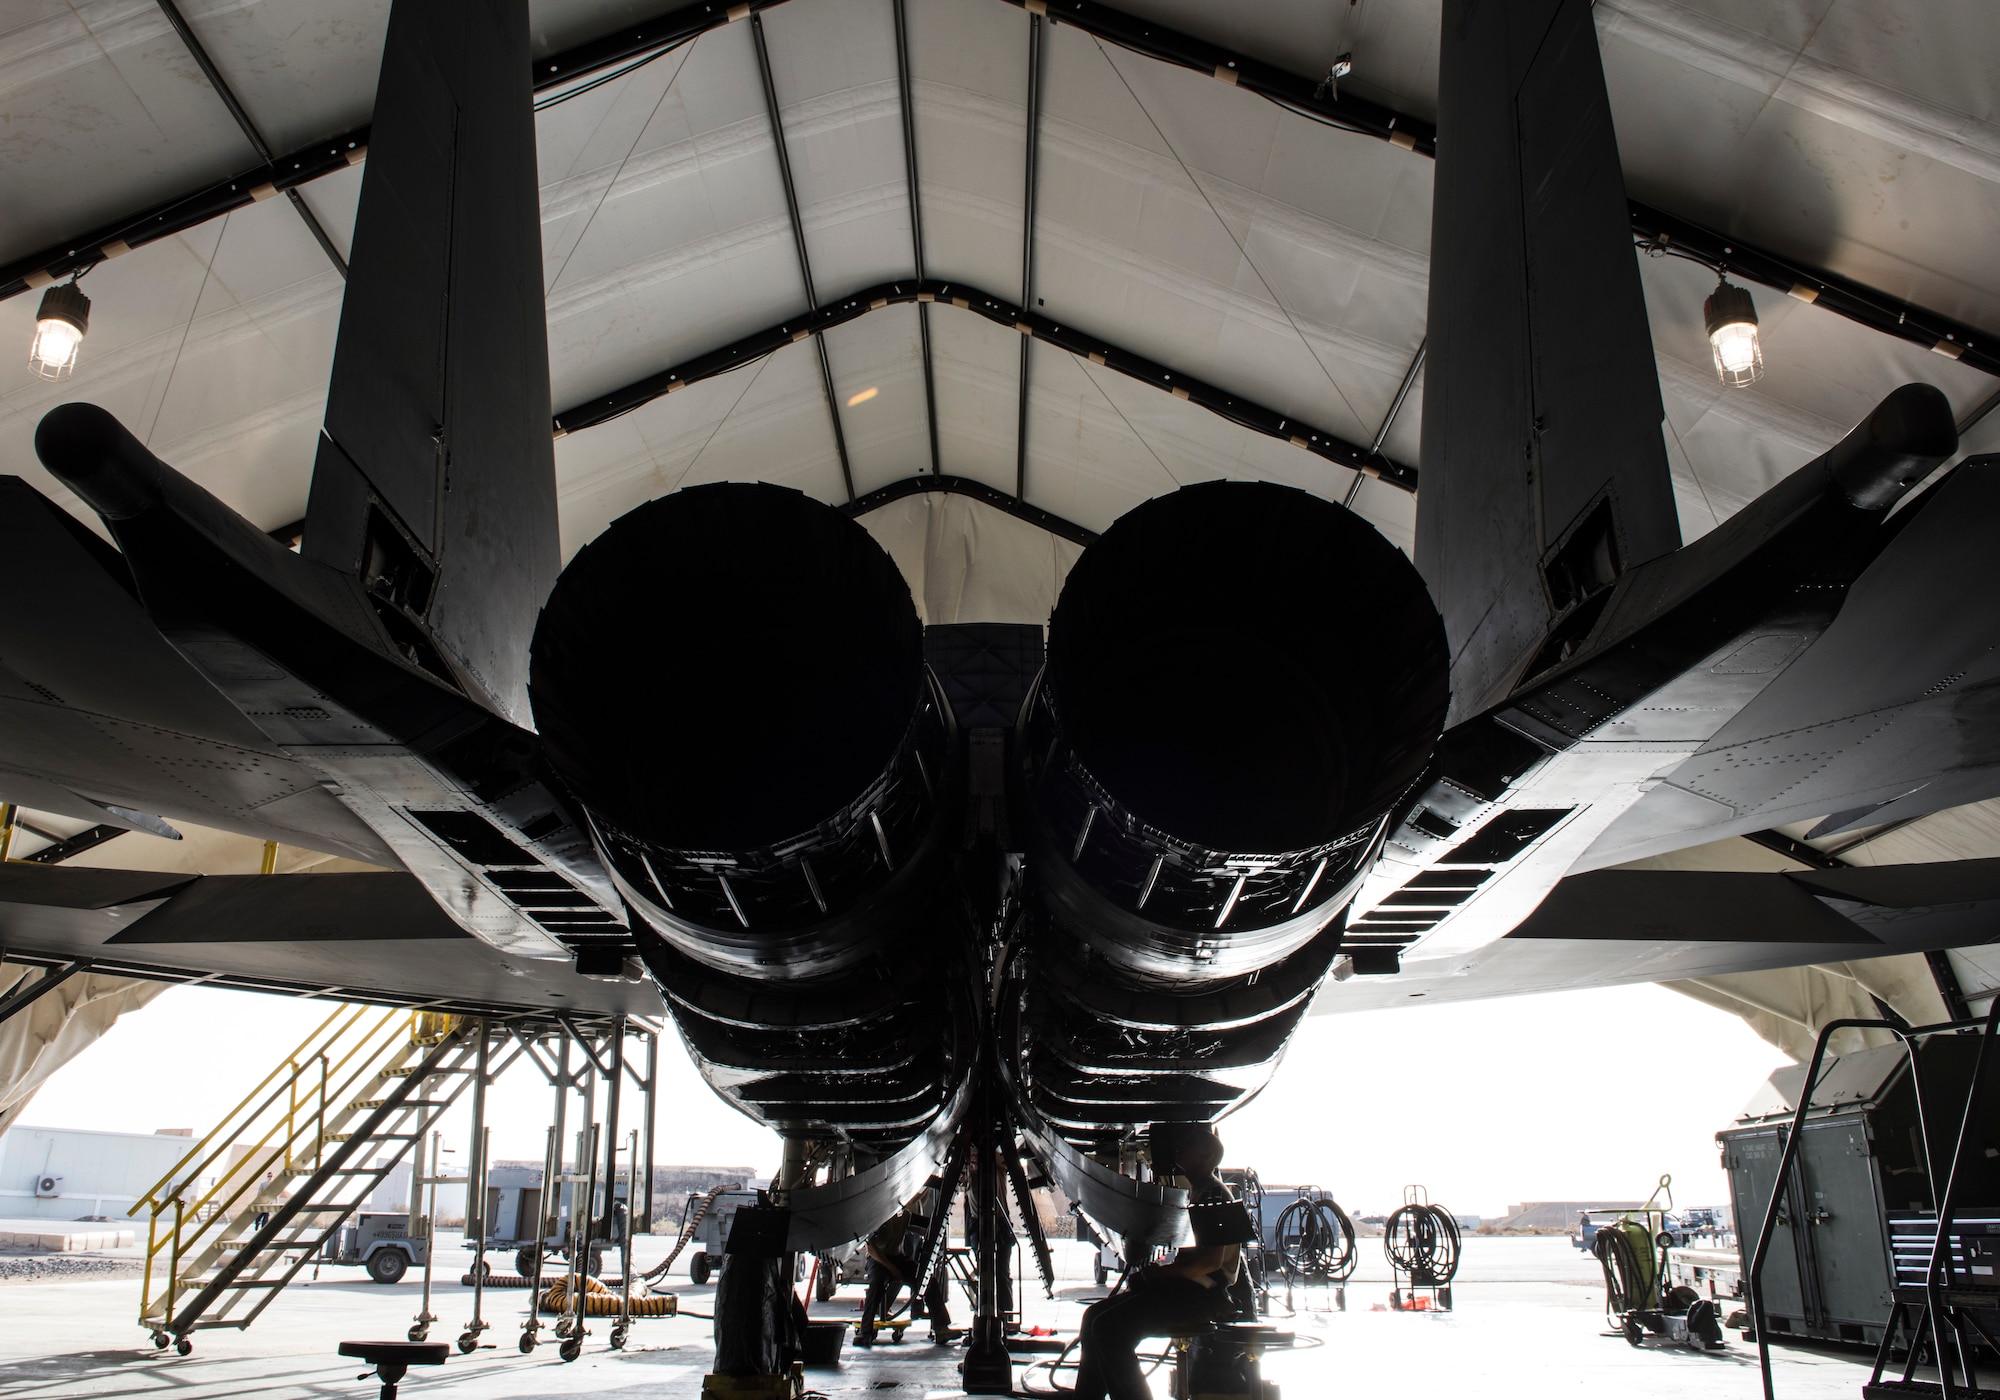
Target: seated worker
(1162, 1300)
(889, 1268)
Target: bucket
(823, 1343)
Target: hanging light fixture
(59, 329)
(1732, 333)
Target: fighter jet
(897, 906)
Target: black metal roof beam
(248, 128)
(973, 490)
(1307, 97)
(907, 101)
(1655, 229)
(337, 152)
(1240, 411)
(799, 239)
(1030, 163)
(497, 1012)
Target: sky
(1569, 1096)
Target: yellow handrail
(364, 1043)
(354, 1050)
(287, 1121)
(152, 1196)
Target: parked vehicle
(383, 1244)
(515, 1205)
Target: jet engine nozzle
(1242, 681)
(731, 682)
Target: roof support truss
(976, 491)
(1030, 324)
(799, 239)
(1389, 418)
(21, 998)
(336, 152)
(909, 113)
(1030, 163)
(1856, 301)
(63, 847)
(249, 129)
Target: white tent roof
(1178, 217)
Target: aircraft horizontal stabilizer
(104, 721)
(1615, 927)
(1892, 713)
(364, 937)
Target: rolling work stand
(1946, 1289)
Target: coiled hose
(1631, 1279)
(1422, 1241)
(599, 1301)
(1315, 1241)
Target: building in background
(76, 1174)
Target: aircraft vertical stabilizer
(1544, 474)
(435, 480)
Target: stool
(392, 1359)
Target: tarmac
(1528, 1322)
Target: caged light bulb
(59, 329)
(1731, 318)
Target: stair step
(406, 1103)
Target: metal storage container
(1830, 1272)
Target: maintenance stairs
(259, 1197)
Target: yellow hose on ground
(599, 1301)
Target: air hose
(1315, 1241)
(599, 1301)
(1624, 1250)
(1422, 1241)
(688, 1227)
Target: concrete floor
(1528, 1323)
